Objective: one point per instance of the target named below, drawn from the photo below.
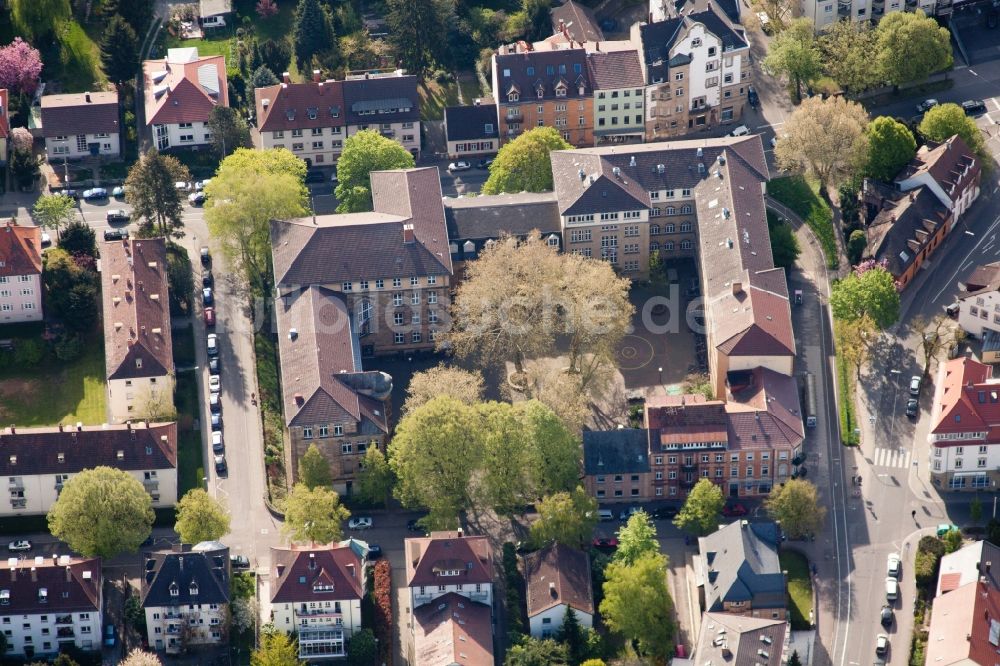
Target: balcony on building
(685, 483)
(150, 485)
(514, 116)
(420, 599)
(688, 467)
(321, 643)
(320, 612)
(64, 632)
(64, 619)
(844, 8)
(15, 484)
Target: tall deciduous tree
(854, 339)
(506, 452)
(825, 137)
(314, 515)
(890, 147)
(796, 504)
(229, 131)
(71, 288)
(847, 49)
(152, 192)
(415, 28)
(138, 657)
(910, 47)
(78, 237)
(363, 153)
(936, 334)
(424, 386)
(52, 211)
(565, 517)
(794, 53)
(20, 67)
(102, 512)
(38, 19)
(362, 649)
(433, 454)
(276, 649)
(119, 51)
(700, 513)
(375, 478)
(636, 538)
(311, 33)
(201, 517)
(638, 606)
(528, 651)
(869, 290)
(523, 165)
(555, 451)
(251, 188)
(314, 469)
(946, 120)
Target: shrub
(924, 567)
(69, 347)
(512, 600)
(931, 544)
(383, 610)
(28, 353)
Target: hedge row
(383, 610)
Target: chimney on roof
(737, 287)
(13, 571)
(286, 77)
(34, 575)
(265, 103)
(460, 533)
(86, 97)
(408, 234)
(312, 561)
(316, 76)
(552, 589)
(319, 88)
(69, 574)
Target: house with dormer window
(316, 594)
(450, 577)
(180, 92)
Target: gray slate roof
(659, 38)
(207, 568)
(488, 216)
(623, 451)
(385, 92)
(740, 563)
(469, 123)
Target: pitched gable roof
(555, 576)
(740, 640)
(763, 410)
(740, 563)
(615, 69)
(20, 250)
(137, 340)
(470, 123)
(186, 575)
(445, 551)
(72, 449)
(303, 575)
(964, 626)
(968, 399)
(686, 419)
(50, 585)
(183, 87)
(901, 230)
(531, 72)
(578, 20)
(619, 451)
(453, 631)
(82, 113)
(288, 106)
(381, 98)
(983, 279)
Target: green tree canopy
(890, 147)
(314, 515)
(530, 651)
(119, 51)
(785, 248)
(251, 188)
(363, 153)
(636, 538)
(102, 512)
(263, 77)
(362, 649)
(276, 649)
(867, 291)
(638, 606)
(52, 211)
(700, 513)
(451, 380)
(314, 469)
(201, 517)
(506, 457)
(946, 120)
(796, 505)
(229, 130)
(523, 165)
(79, 238)
(565, 517)
(416, 28)
(152, 192)
(911, 46)
(554, 452)
(37, 19)
(71, 287)
(311, 32)
(856, 244)
(375, 478)
(795, 54)
(847, 49)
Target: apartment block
(38, 462)
(81, 125)
(50, 603)
(20, 273)
(979, 309)
(619, 99)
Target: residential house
(544, 88)
(578, 20)
(138, 352)
(471, 130)
(37, 462)
(49, 604)
(725, 638)
(557, 578)
(823, 13)
(180, 92)
(81, 125)
(328, 399)
(20, 273)
(738, 571)
(386, 102)
(979, 309)
(965, 624)
(185, 596)
(619, 113)
(965, 426)
(213, 13)
(949, 169)
(474, 223)
(697, 72)
(661, 10)
(4, 124)
(450, 579)
(967, 565)
(316, 594)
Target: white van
(605, 515)
(891, 589)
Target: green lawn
(434, 97)
(215, 43)
(183, 339)
(78, 67)
(276, 27)
(802, 196)
(846, 387)
(799, 588)
(56, 392)
(189, 455)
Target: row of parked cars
(214, 376)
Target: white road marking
(948, 282)
(995, 102)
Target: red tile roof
(968, 400)
(184, 88)
(82, 113)
(686, 419)
(448, 551)
(71, 585)
(300, 106)
(4, 113)
(766, 412)
(20, 250)
(951, 163)
(965, 626)
(137, 339)
(615, 69)
(453, 631)
(555, 576)
(297, 571)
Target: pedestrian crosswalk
(898, 458)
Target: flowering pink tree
(20, 66)
(21, 139)
(266, 8)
